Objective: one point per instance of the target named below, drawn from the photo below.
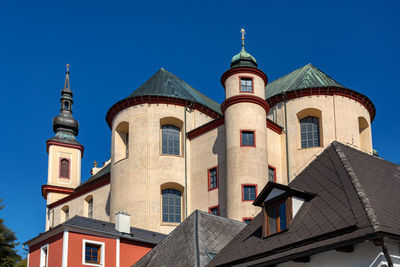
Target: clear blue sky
(115, 46)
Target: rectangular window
(271, 174)
(247, 138)
(212, 178)
(247, 220)
(93, 252)
(278, 216)
(214, 210)
(170, 140)
(246, 84)
(249, 192)
(171, 205)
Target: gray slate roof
(188, 245)
(164, 83)
(357, 198)
(109, 228)
(307, 76)
(102, 227)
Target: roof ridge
(362, 195)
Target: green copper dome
(243, 59)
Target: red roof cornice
(362, 99)
(138, 100)
(244, 98)
(238, 70)
(218, 122)
(49, 143)
(55, 189)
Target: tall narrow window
(246, 85)
(212, 178)
(247, 138)
(65, 211)
(127, 144)
(170, 140)
(64, 168)
(171, 205)
(249, 192)
(44, 256)
(309, 129)
(271, 174)
(90, 208)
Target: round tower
(245, 112)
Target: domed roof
(164, 83)
(243, 59)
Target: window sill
(92, 264)
(211, 189)
(268, 236)
(169, 224)
(171, 155)
(319, 147)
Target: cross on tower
(243, 33)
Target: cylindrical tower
(245, 112)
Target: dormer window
(279, 215)
(279, 203)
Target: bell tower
(64, 153)
(245, 113)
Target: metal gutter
(287, 141)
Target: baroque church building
(175, 150)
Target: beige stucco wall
(207, 151)
(77, 206)
(339, 121)
(232, 85)
(277, 154)
(74, 156)
(136, 181)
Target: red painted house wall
(75, 249)
(54, 251)
(132, 251)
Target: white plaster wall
(365, 254)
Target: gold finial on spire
(243, 33)
(66, 84)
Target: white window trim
(42, 264)
(102, 252)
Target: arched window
(365, 134)
(309, 130)
(171, 205)
(65, 213)
(64, 168)
(121, 141)
(170, 139)
(89, 206)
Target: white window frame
(44, 258)
(102, 252)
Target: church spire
(243, 59)
(64, 125)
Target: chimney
(123, 222)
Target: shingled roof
(102, 227)
(357, 198)
(194, 242)
(164, 83)
(305, 77)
